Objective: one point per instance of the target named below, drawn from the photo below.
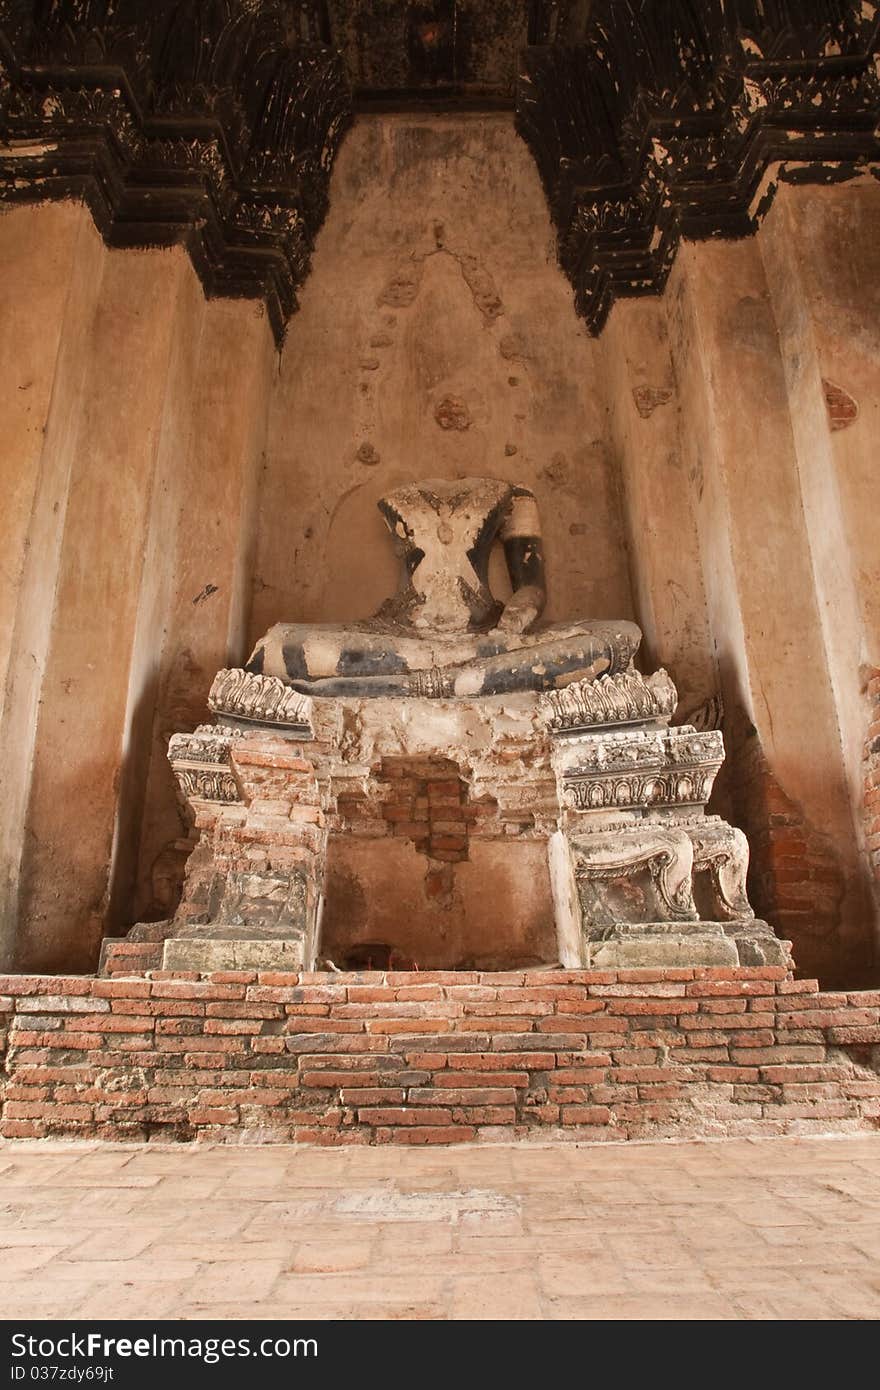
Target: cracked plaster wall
(133, 415)
(743, 419)
(436, 337)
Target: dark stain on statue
(370, 663)
(294, 661)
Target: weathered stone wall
(436, 1058)
(133, 419)
(743, 414)
(644, 412)
(757, 561)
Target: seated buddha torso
(444, 532)
(443, 632)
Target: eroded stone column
(789, 776)
(205, 558)
(822, 254)
(40, 251)
(664, 553)
(51, 262)
(82, 741)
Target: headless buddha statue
(443, 633)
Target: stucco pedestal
(674, 945)
(214, 952)
(494, 833)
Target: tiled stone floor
(761, 1228)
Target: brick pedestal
(437, 1057)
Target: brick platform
(437, 1057)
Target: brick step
(129, 957)
(436, 1057)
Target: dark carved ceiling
(420, 52)
(215, 122)
(665, 119)
(209, 122)
(416, 52)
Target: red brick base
(427, 1058)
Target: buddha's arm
(523, 550)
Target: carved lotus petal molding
(627, 698)
(261, 700)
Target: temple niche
(452, 784)
(596, 296)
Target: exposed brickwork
(130, 957)
(437, 1057)
(648, 398)
(842, 409)
(421, 858)
(422, 799)
(427, 803)
(795, 878)
(872, 775)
